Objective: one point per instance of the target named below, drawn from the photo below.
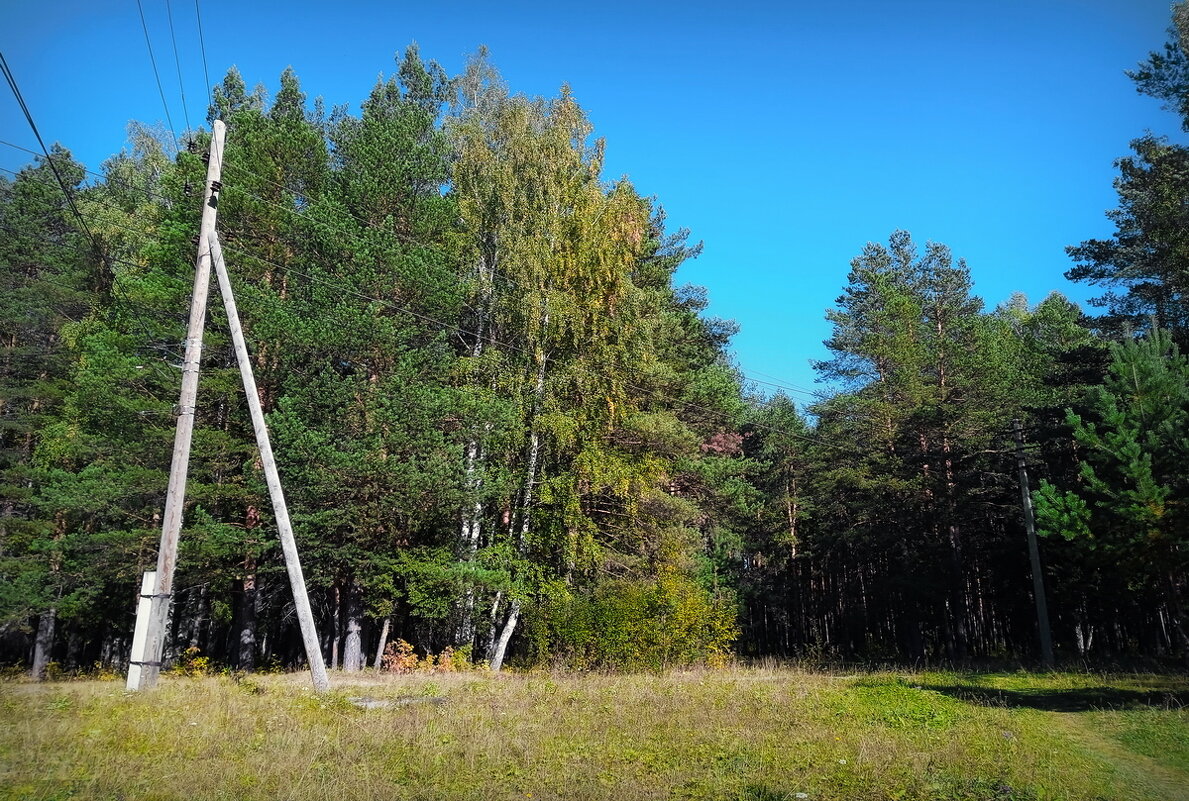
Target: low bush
(671, 621)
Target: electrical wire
(108, 204)
(783, 384)
(109, 179)
(459, 330)
(177, 60)
(16, 91)
(202, 46)
(96, 250)
(118, 291)
(784, 387)
(156, 74)
(338, 227)
(466, 332)
(445, 326)
(748, 374)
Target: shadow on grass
(1081, 699)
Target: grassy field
(731, 735)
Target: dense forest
(507, 434)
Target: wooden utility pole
(305, 617)
(1038, 585)
(150, 664)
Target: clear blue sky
(783, 134)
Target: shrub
(669, 621)
(191, 663)
(399, 657)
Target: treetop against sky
(784, 135)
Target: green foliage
(1148, 257)
(1061, 512)
(1165, 75)
(635, 625)
(1126, 498)
(1144, 265)
(1137, 444)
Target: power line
(783, 384)
(429, 319)
(458, 329)
(177, 60)
(96, 250)
(110, 204)
(202, 46)
(16, 91)
(373, 226)
(784, 387)
(115, 276)
(120, 294)
(104, 177)
(156, 74)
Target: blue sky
(784, 135)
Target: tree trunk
(245, 656)
(472, 522)
(501, 647)
(489, 642)
(353, 645)
(201, 618)
(1178, 616)
(43, 643)
(472, 519)
(530, 479)
(336, 625)
(111, 651)
(74, 648)
(383, 643)
(958, 594)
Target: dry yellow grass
(752, 735)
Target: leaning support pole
(309, 634)
(175, 496)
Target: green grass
(732, 735)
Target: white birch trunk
(353, 643)
(530, 478)
(501, 647)
(493, 619)
(472, 521)
(383, 643)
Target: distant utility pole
(305, 617)
(150, 663)
(1038, 585)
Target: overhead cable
(156, 74)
